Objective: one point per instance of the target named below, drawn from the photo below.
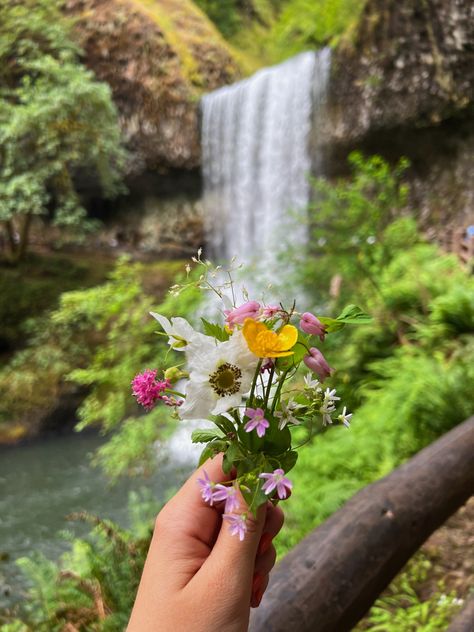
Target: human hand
(197, 577)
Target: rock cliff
(158, 56)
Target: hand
(197, 577)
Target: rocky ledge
(158, 56)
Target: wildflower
(147, 389)
(328, 406)
(207, 488)
(310, 384)
(238, 524)
(317, 363)
(220, 375)
(312, 325)
(345, 418)
(171, 401)
(286, 413)
(265, 343)
(180, 332)
(229, 494)
(278, 481)
(269, 311)
(257, 421)
(237, 316)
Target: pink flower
(257, 421)
(147, 389)
(238, 315)
(317, 363)
(238, 524)
(267, 365)
(207, 488)
(278, 481)
(229, 494)
(312, 325)
(269, 311)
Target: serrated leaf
(205, 435)
(216, 331)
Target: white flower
(180, 332)
(286, 415)
(310, 384)
(328, 407)
(345, 417)
(220, 374)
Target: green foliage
(232, 15)
(98, 339)
(55, 119)
(93, 586)
(403, 608)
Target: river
(42, 482)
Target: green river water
(42, 482)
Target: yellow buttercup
(265, 343)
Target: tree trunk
(10, 228)
(24, 236)
(329, 581)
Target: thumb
(233, 559)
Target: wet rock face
(158, 56)
(410, 62)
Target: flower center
(226, 379)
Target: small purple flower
(257, 421)
(147, 389)
(238, 524)
(229, 494)
(317, 363)
(278, 481)
(312, 325)
(207, 488)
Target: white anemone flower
(179, 331)
(220, 375)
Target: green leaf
(205, 435)
(211, 450)
(216, 331)
(288, 460)
(255, 496)
(353, 314)
(232, 456)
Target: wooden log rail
(330, 579)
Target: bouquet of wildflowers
(242, 375)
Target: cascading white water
(256, 157)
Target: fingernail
(265, 543)
(256, 583)
(258, 597)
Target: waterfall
(257, 159)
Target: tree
(55, 120)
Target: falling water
(257, 159)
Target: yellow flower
(265, 343)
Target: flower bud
(237, 316)
(312, 325)
(317, 363)
(174, 373)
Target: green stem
(276, 397)
(254, 383)
(170, 390)
(269, 386)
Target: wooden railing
(330, 579)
